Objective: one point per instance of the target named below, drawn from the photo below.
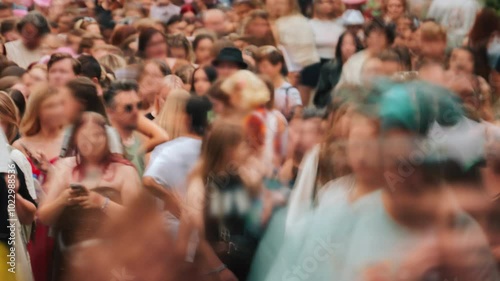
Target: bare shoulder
(126, 172)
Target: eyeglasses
(130, 107)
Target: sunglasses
(130, 107)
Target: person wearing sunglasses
(123, 105)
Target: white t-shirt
(172, 161)
(326, 36)
(286, 97)
(164, 13)
(18, 53)
(351, 71)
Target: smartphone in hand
(78, 188)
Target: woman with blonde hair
(9, 117)
(172, 115)
(257, 28)
(41, 140)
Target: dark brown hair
(77, 67)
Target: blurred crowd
(249, 140)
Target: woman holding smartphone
(90, 187)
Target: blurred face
(216, 23)
(363, 148)
(390, 68)
(324, 7)
(156, 47)
(72, 108)
(30, 36)
(278, 7)
(91, 141)
(51, 111)
(11, 36)
(65, 24)
(461, 61)
(203, 51)
(395, 9)
(201, 82)
(242, 10)
(433, 73)
(310, 134)
(373, 67)
(267, 68)
(93, 28)
(259, 28)
(150, 81)
(125, 110)
(226, 69)
(178, 53)
(376, 41)
(74, 42)
(433, 48)
(177, 28)
(37, 75)
(240, 153)
(348, 47)
(217, 106)
(61, 72)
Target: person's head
(152, 44)
(179, 47)
(113, 62)
(90, 41)
(327, 8)
(19, 100)
(151, 74)
(90, 140)
(35, 74)
(391, 62)
(228, 62)
(197, 109)
(202, 46)
(33, 27)
(9, 31)
(176, 25)
(5, 10)
(224, 143)
(123, 104)
(65, 22)
(363, 149)
(44, 108)
(347, 46)
(88, 24)
(203, 78)
(121, 33)
(378, 36)
(310, 129)
(215, 21)
(270, 62)
(172, 115)
(246, 91)
(61, 68)
(432, 40)
(282, 8)
(394, 9)
(9, 117)
(168, 84)
(185, 72)
(80, 94)
(90, 68)
(74, 39)
(462, 60)
(257, 25)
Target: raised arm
(155, 135)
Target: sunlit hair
(9, 115)
(31, 125)
(171, 116)
(432, 31)
(246, 90)
(113, 62)
(107, 156)
(180, 41)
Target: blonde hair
(30, 124)
(9, 114)
(245, 90)
(171, 116)
(113, 62)
(431, 31)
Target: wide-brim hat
(232, 55)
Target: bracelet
(106, 203)
(217, 270)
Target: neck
(277, 81)
(50, 132)
(123, 132)
(363, 187)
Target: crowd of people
(249, 140)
